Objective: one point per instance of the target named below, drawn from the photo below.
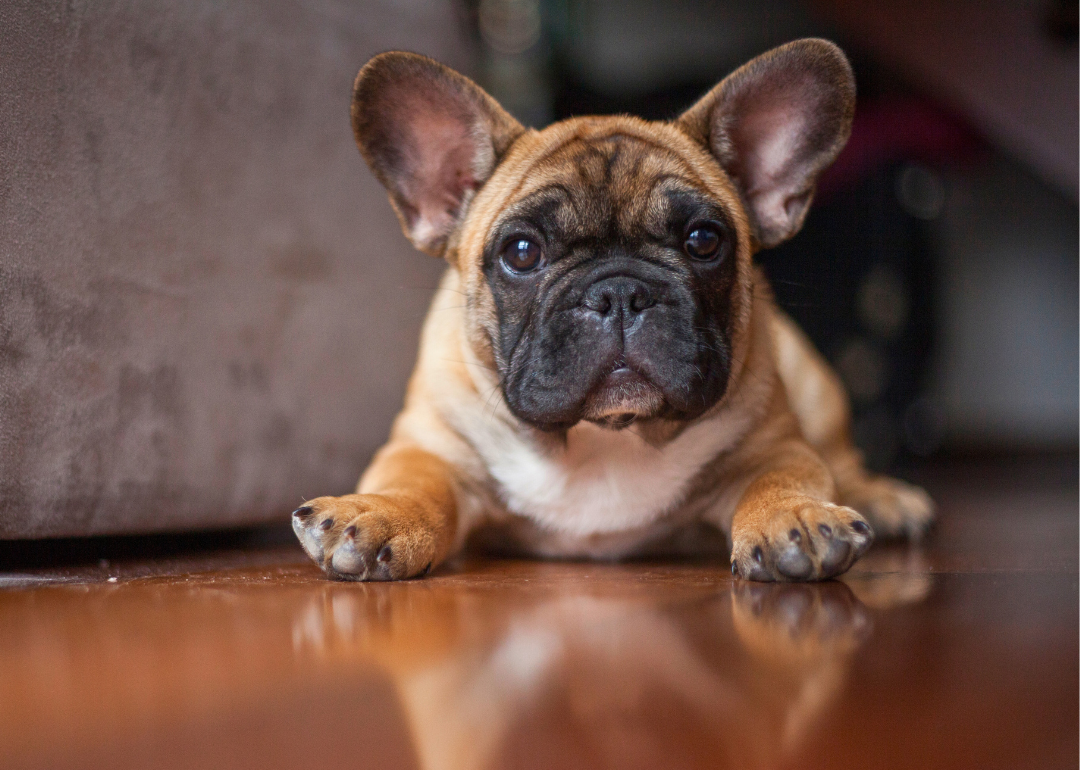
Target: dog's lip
(623, 394)
(623, 374)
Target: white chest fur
(604, 481)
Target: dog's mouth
(623, 396)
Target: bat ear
(431, 136)
(774, 124)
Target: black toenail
(427, 569)
(860, 527)
(326, 524)
(757, 554)
(734, 568)
(303, 512)
(795, 535)
(825, 529)
(350, 531)
(385, 554)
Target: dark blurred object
(1001, 64)
(100, 554)
(859, 280)
(860, 277)
(1063, 22)
(893, 127)
(514, 54)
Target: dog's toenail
(860, 527)
(734, 569)
(825, 529)
(427, 569)
(795, 535)
(385, 554)
(326, 524)
(303, 512)
(758, 555)
(350, 531)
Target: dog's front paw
(805, 539)
(365, 537)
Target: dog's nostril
(641, 301)
(627, 295)
(599, 302)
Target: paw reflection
(892, 577)
(618, 673)
(801, 638)
(798, 623)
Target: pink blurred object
(900, 129)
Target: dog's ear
(774, 124)
(431, 136)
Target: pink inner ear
(770, 135)
(770, 140)
(440, 156)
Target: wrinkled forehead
(613, 185)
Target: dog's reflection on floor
(609, 675)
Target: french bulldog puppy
(603, 370)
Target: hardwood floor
(960, 653)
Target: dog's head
(606, 261)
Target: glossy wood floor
(962, 653)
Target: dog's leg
(784, 528)
(401, 523)
(893, 507)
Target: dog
(603, 371)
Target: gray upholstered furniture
(207, 310)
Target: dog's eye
(521, 255)
(703, 243)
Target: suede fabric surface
(207, 308)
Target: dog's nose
(619, 293)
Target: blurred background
(207, 312)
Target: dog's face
(606, 261)
(612, 272)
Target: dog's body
(603, 370)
